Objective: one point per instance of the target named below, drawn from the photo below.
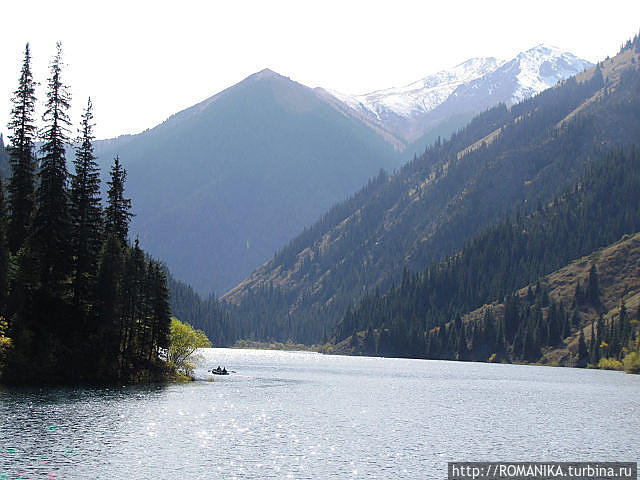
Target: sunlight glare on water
(306, 415)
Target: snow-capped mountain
(452, 97)
(421, 96)
(542, 67)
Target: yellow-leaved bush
(185, 341)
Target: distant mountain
(452, 97)
(399, 108)
(505, 159)
(220, 186)
(5, 168)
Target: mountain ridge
(210, 182)
(410, 111)
(155, 150)
(435, 202)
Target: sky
(142, 61)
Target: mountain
(547, 318)
(599, 209)
(506, 158)
(397, 109)
(451, 97)
(220, 186)
(5, 167)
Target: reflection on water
(302, 415)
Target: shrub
(631, 362)
(185, 341)
(610, 364)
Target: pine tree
(625, 325)
(582, 351)
(600, 335)
(369, 343)
(22, 183)
(566, 324)
(133, 305)
(86, 212)
(593, 289)
(354, 339)
(52, 223)
(109, 305)
(578, 297)
(593, 346)
(161, 310)
(4, 253)
(117, 214)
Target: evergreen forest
(517, 194)
(422, 317)
(79, 303)
(447, 258)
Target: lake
(306, 415)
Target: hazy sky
(143, 61)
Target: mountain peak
(266, 74)
(544, 48)
(476, 83)
(542, 67)
(419, 97)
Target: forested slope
(505, 158)
(422, 317)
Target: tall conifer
(109, 305)
(52, 223)
(117, 214)
(133, 305)
(161, 308)
(4, 253)
(86, 212)
(23, 132)
(593, 288)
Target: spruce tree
(134, 305)
(52, 223)
(369, 344)
(117, 214)
(109, 306)
(593, 289)
(582, 351)
(23, 132)
(161, 310)
(4, 253)
(86, 212)
(593, 346)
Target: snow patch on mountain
(542, 67)
(421, 96)
(531, 72)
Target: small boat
(219, 371)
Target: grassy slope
(618, 268)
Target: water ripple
(301, 415)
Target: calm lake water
(305, 415)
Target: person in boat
(224, 371)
